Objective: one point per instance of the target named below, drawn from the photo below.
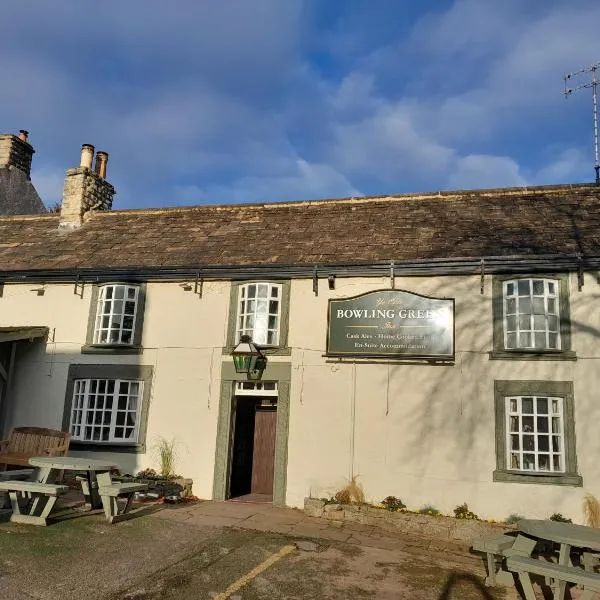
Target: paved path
(200, 551)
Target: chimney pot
(23, 135)
(87, 156)
(101, 162)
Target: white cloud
(482, 171)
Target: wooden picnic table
(97, 472)
(567, 535)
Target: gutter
(553, 263)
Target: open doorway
(253, 430)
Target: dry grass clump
(351, 493)
(591, 510)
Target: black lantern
(247, 358)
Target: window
(259, 310)
(116, 319)
(535, 432)
(106, 410)
(107, 405)
(531, 314)
(115, 314)
(531, 318)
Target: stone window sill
(110, 349)
(135, 448)
(544, 479)
(524, 355)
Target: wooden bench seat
(110, 495)
(525, 565)
(32, 502)
(25, 442)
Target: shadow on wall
(457, 402)
(39, 396)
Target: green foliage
(331, 500)
(429, 510)
(147, 474)
(166, 457)
(462, 512)
(513, 518)
(558, 517)
(392, 503)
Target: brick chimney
(86, 190)
(16, 152)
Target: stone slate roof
(466, 224)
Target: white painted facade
(424, 433)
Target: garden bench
(35, 499)
(110, 495)
(25, 442)
(524, 566)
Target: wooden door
(263, 460)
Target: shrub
(429, 510)
(513, 518)
(166, 457)
(462, 512)
(352, 492)
(147, 474)
(558, 517)
(392, 503)
(591, 510)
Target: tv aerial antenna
(593, 85)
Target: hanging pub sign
(391, 323)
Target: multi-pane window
(116, 313)
(106, 410)
(535, 434)
(259, 313)
(531, 314)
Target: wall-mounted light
(331, 281)
(186, 286)
(40, 291)
(248, 358)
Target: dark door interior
(252, 458)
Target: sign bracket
(392, 275)
(79, 285)
(315, 281)
(579, 272)
(198, 285)
(482, 275)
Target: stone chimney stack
(16, 152)
(85, 190)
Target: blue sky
(221, 101)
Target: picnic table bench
(110, 495)
(31, 502)
(525, 566)
(516, 557)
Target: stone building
(442, 348)
(17, 194)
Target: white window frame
(536, 325)
(90, 398)
(110, 320)
(245, 310)
(258, 388)
(514, 441)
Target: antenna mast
(593, 84)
